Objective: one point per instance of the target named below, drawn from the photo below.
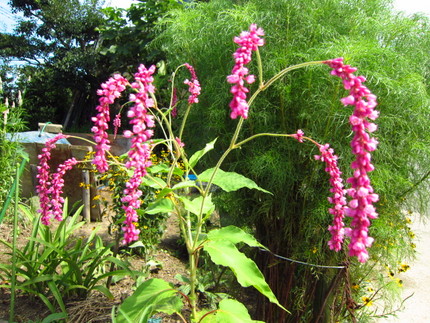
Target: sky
(7, 18)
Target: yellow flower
(314, 249)
(399, 282)
(404, 268)
(355, 286)
(367, 301)
(96, 197)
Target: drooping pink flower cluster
(49, 186)
(109, 91)
(116, 124)
(337, 199)
(360, 207)
(248, 41)
(193, 85)
(57, 185)
(140, 151)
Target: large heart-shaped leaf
(164, 205)
(195, 206)
(234, 235)
(152, 296)
(230, 311)
(199, 154)
(225, 253)
(229, 181)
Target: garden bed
(96, 308)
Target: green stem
(286, 70)
(14, 236)
(260, 69)
(193, 280)
(187, 112)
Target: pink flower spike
(338, 199)
(193, 85)
(361, 207)
(109, 91)
(116, 124)
(45, 181)
(248, 42)
(140, 151)
(56, 189)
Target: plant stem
(195, 244)
(193, 281)
(187, 112)
(14, 235)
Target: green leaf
(229, 181)
(199, 154)
(104, 290)
(158, 168)
(225, 253)
(152, 296)
(195, 205)
(56, 317)
(164, 205)
(57, 295)
(178, 171)
(154, 182)
(234, 235)
(230, 311)
(184, 184)
(136, 244)
(164, 192)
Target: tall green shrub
(392, 52)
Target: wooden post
(86, 196)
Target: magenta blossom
(140, 151)
(338, 198)
(360, 208)
(299, 135)
(248, 41)
(116, 124)
(180, 143)
(49, 186)
(193, 85)
(109, 91)
(56, 189)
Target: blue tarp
(34, 136)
